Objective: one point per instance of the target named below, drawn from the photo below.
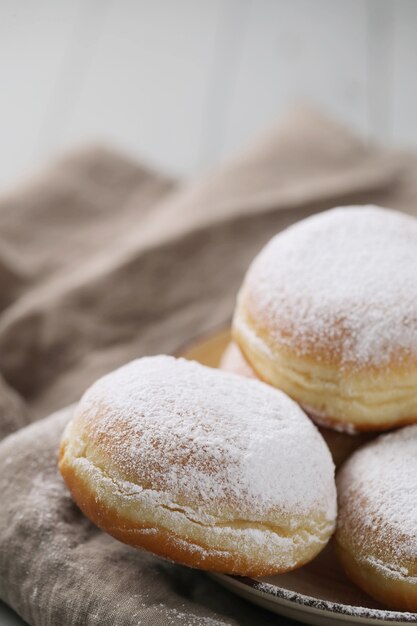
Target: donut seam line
(260, 345)
(198, 547)
(391, 572)
(301, 379)
(222, 524)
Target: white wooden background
(181, 83)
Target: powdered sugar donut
(328, 313)
(341, 445)
(232, 360)
(376, 537)
(202, 467)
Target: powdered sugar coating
(378, 503)
(182, 428)
(344, 281)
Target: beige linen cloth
(102, 261)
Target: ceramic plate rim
(272, 592)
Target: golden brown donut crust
(157, 540)
(375, 538)
(345, 398)
(128, 493)
(328, 313)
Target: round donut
(328, 313)
(232, 360)
(341, 445)
(201, 467)
(376, 537)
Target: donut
(232, 360)
(201, 467)
(376, 536)
(341, 445)
(328, 313)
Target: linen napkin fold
(104, 261)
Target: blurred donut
(376, 537)
(233, 361)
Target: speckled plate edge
(268, 594)
(324, 608)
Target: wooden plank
(148, 81)
(404, 74)
(33, 42)
(299, 51)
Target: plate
(318, 593)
